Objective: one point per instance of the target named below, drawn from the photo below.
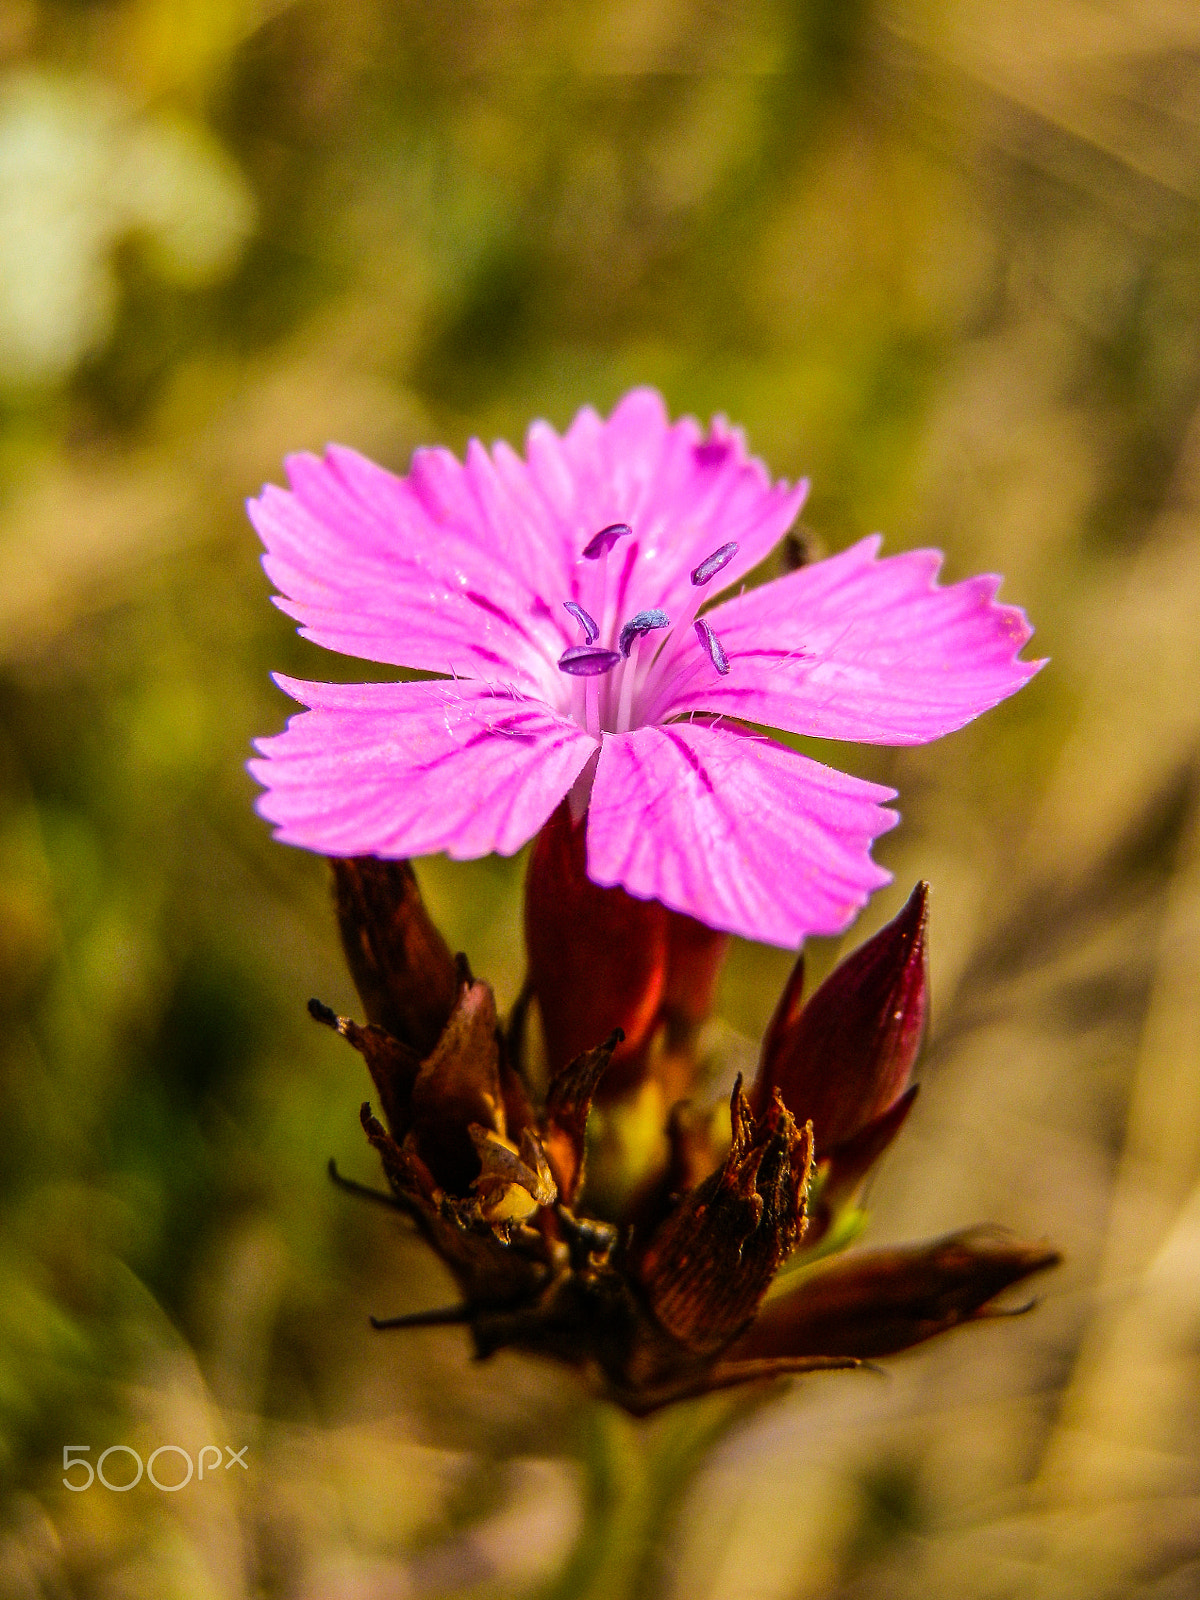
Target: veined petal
(734, 830)
(407, 769)
(448, 570)
(684, 493)
(853, 648)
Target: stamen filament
(628, 683)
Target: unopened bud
(600, 960)
(401, 966)
(845, 1057)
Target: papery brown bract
(458, 1088)
(460, 1147)
(709, 1264)
(871, 1303)
(565, 1117)
(393, 1066)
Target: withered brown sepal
(711, 1262)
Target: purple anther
(601, 543)
(712, 564)
(586, 661)
(712, 644)
(644, 622)
(590, 631)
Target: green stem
(636, 1477)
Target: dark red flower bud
(597, 957)
(845, 1057)
(847, 1164)
(710, 1264)
(401, 966)
(874, 1302)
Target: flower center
(611, 706)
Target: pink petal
(734, 830)
(853, 648)
(407, 769)
(443, 570)
(682, 492)
(462, 569)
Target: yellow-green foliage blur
(941, 257)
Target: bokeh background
(943, 258)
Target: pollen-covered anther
(713, 564)
(601, 543)
(645, 622)
(587, 661)
(712, 644)
(590, 631)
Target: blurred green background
(943, 258)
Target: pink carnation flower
(559, 599)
